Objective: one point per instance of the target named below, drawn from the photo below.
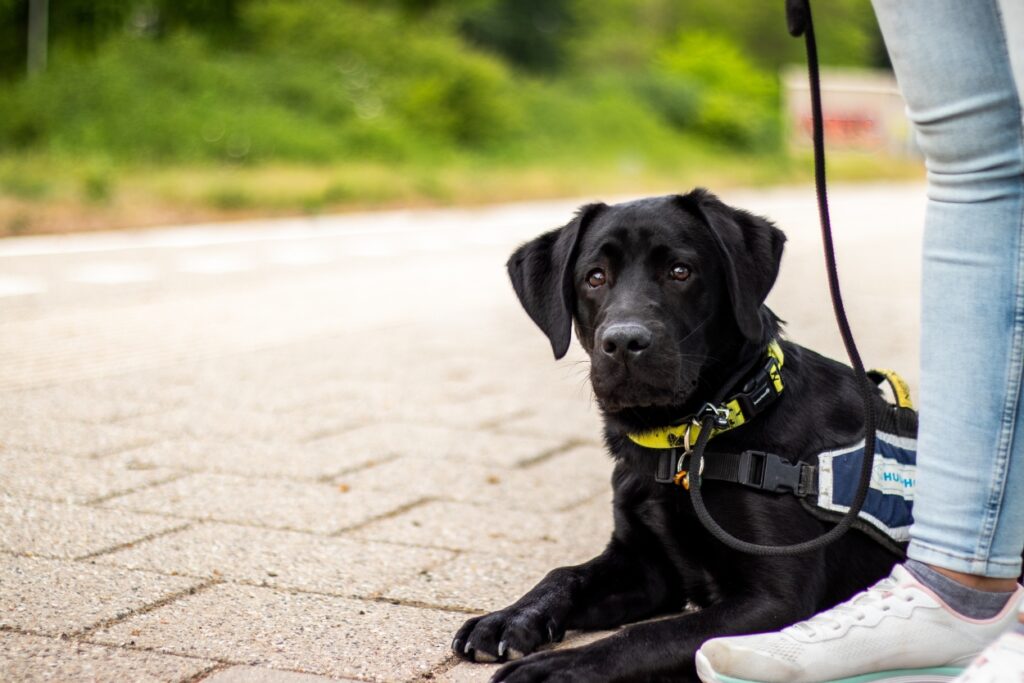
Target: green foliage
(422, 81)
(528, 33)
(736, 102)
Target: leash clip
(720, 414)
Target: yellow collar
(736, 410)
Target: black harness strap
(754, 469)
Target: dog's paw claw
(502, 646)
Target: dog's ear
(751, 249)
(542, 275)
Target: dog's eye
(596, 277)
(679, 272)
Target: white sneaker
(1001, 662)
(898, 630)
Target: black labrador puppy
(666, 295)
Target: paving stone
(562, 538)
(439, 443)
(255, 674)
(37, 527)
(253, 457)
(27, 659)
(578, 420)
(70, 479)
(300, 631)
(36, 434)
(281, 559)
(473, 581)
(320, 508)
(555, 483)
(98, 401)
(470, 412)
(203, 421)
(61, 597)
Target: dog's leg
(655, 651)
(614, 588)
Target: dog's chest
(669, 520)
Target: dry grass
(44, 196)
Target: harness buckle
(770, 472)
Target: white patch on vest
(888, 476)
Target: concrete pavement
(308, 449)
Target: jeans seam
(1008, 432)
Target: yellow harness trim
(685, 433)
(899, 386)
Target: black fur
(659, 348)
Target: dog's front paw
(562, 666)
(509, 634)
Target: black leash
(798, 19)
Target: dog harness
(824, 483)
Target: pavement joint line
(130, 446)
(128, 544)
(419, 604)
(401, 509)
(345, 471)
(91, 455)
(329, 432)
(441, 562)
(219, 578)
(83, 637)
(580, 503)
(271, 476)
(97, 502)
(496, 422)
(545, 455)
(442, 667)
(236, 522)
(145, 609)
(205, 673)
(34, 555)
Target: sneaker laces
(853, 610)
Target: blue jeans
(956, 62)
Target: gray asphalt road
(94, 304)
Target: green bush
(737, 103)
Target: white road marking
(16, 285)
(215, 264)
(299, 256)
(113, 273)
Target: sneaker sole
(941, 674)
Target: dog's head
(663, 292)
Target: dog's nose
(625, 340)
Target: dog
(667, 298)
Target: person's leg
(953, 62)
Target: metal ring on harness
(686, 444)
(682, 477)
